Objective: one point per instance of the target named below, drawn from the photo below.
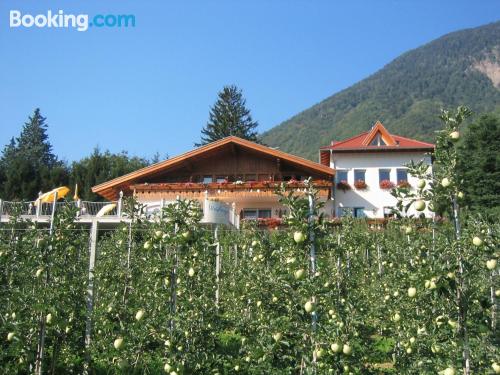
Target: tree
(28, 164)
(229, 116)
(478, 164)
(100, 167)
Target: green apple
(139, 314)
(408, 350)
(10, 336)
(319, 353)
(396, 317)
(476, 241)
(491, 264)
(455, 135)
(236, 368)
(277, 336)
(39, 272)
(496, 367)
(445, 182)
(299, 237)
(449, 371)
(335, 347)
(347, 350)
(167, 367)
(118, 344)
(48, 318)
(147, 245)
(254, 243)
(191, 272)
(408, 230)
(420, 205)
(421, 184)
(460, 195)
(299, 274)
(412, 292)
(309, 306)
(158, 234)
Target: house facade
(367, 166)
(231, 178)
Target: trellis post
(90, 291)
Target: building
(232, 178)
(367, 166)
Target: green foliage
(404, 95)
(28, 165)
(478, 165)
(100, 167)
(229, 116)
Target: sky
(148, 89)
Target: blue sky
(148, 89)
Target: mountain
(406, 95)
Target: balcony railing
(33, 209)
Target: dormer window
(378, 141)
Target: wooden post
(90, 291)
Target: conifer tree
(28, 164)
(229, 116)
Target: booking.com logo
(80, 22)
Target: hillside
(406, 95)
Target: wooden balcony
(229, 190)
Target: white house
(368, 166)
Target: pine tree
(229, 116)
(28, 163)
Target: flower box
(404, 184)
(360, 184)
(343, 185)
(386, 184)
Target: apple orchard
(173, 296)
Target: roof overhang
(110, 189)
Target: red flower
(360, 184)
(404, 184)
(343, 185)
(386, 184)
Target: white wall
(373, 199)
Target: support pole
(42, 332)
(217, 266)
(90, 291)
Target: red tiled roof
(361, 142)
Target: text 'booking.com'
(79, 22)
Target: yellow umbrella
(106, 209)
(49, 196)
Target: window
(359, 212)
(264, 214)
(254, 213)
(359, 175)
(402, 175)
(378, 141)
(341, 176)
(384, 174)
(221, 179)
(346, 212)
(250, 214)
(207, 179)
(352, 212)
